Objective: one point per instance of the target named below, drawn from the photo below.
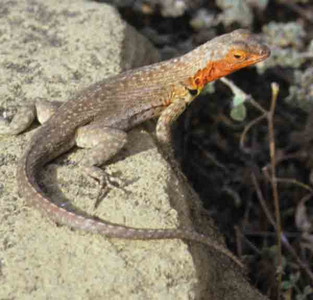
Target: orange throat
(211, 72)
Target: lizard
(100, 116)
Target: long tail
(29, 189)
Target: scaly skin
(107, 110)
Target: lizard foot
(109, 182)
(106, 182)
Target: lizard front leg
(166, 119)
(168, 116)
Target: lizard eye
(239, 55)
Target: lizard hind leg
(103, 143)
(25, 116)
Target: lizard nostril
(265, 51)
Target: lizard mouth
(260, 56)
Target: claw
(106, 182)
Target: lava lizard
(99, 117)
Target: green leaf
(238, 112)
(238, 99)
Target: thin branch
(262, 201)
(251, 245)
(275, 90)
(284, 237)
(247, 128)
(288, 181)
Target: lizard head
(226, 54)
(243, 49)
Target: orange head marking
(226, 54)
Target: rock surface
(49, 50)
